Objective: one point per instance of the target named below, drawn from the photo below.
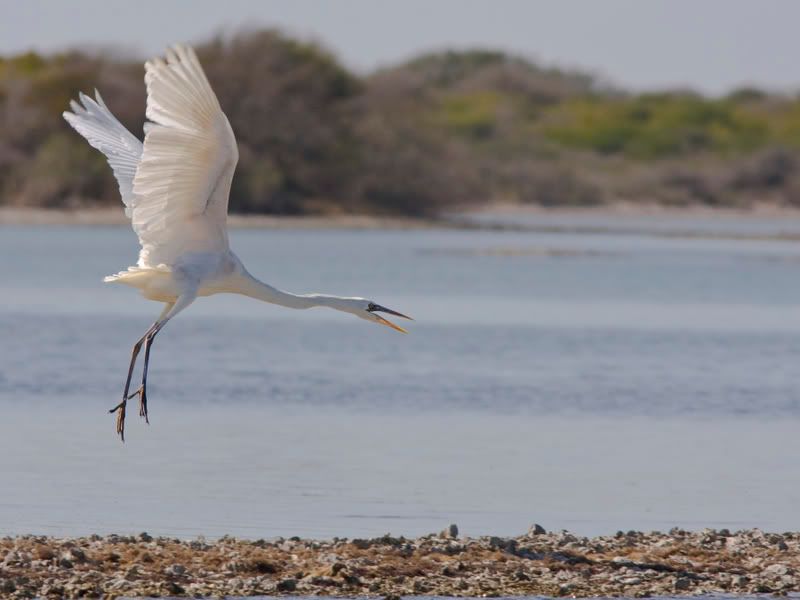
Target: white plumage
(184, 178)
(175, 188)
(101, 129)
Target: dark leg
(142, 391)
(120, 408)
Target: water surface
(589, 382)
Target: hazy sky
(710, 45)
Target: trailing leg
(142, 391)
(120, 408)
(170, 310)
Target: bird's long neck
(252, 287)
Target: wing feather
(93, 120)
(175, 186)
(182, 183)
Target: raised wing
(183, 180)
(103, 131)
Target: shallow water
(588, 382)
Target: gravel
(634, 564)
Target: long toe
(143, 405)
(121, 420)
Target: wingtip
(172, 55)
(185, 51)
(154, 63)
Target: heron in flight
(175, 188)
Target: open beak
(386, 322)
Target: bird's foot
(142, 393)
(120, 410)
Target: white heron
(175, 188)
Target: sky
(712, 46)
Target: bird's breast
(207, 273)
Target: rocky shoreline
(632, 563)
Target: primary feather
(93, 120)
(183, 180)
(175, 186)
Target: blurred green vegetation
(658, 126)
(442, 131)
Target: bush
(657, 126)
(440, 131)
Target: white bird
(175, 189)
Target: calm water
(587, 382)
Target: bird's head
(367, 309)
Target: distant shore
(632, 218)
(633, 564)
(116, 216)
(762, 210)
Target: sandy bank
(114, 216)
(613, 219)
(763, 210)
(538, 563)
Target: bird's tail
(113, 278)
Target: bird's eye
(371, 307)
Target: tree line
(440, 132)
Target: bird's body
(199, 273)
(175, 189)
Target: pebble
(777, 570)
(287, 585)
(176, 570)
(634, 564)
(682, 584)
(536, 529)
